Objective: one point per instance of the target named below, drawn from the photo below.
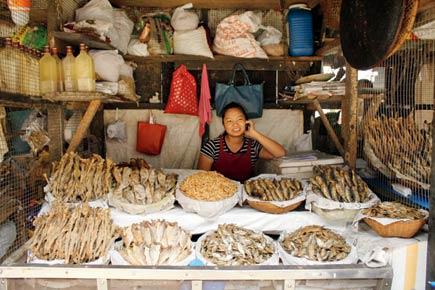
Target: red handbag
(182, 97)
(150, 137)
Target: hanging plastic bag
(150, 137)
(107, 64)
(182, 97)
(184, 20)
(135, 47)
(123, 27)
(71, 125)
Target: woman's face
(234, 122)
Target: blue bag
(249, 96)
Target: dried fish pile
(155, 243)
(209, 186)
(393, 210)
(78, 235)
(273, 189)
(339, 185)
(401, 145)
(231, 245)
(139, 185)
(135, 163)
(316, 243)
(80, 179)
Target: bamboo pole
(84, 125)
(351, 108)
(329, 128)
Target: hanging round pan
(372, 30)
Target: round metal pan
(369, 30)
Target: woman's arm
(271, 149)
(204, 162)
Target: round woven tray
(400, 229)
(271, 208)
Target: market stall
(99, 149)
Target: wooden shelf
(305, 101)
(133, 106)
(77, 38)
(224, 62)
(21, 101)
(215, 4)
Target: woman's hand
(250, 130)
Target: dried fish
(231, 245)
(339, 185)
(316, 243)
(77, 179)
(139, 185)
(155, 243)
(401, 145)
(273, 189)
(394, 210)
(78, 235)
(209, 186)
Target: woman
(235, 152)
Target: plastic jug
(300, 22)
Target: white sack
(192, 42)
(184, 20)
(95, 10)
(135, 47)
(107, 64)
(207, 209)
(124, 27)
(270, 35)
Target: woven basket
(400, 229)
(331, 13)
(271, 208)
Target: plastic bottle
(47, 73)
(300, 21)
(85, 72)
(34, 84)
(69, 71)
(54, 53)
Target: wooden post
(349, 119)
(329, 128)
(55, 131)
(84, 125)
(430, 273)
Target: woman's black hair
(232, 106)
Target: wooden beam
(329, 128)
(425, 5)
(352, 113)
(208, 4)
(84, 125)
(331, 47)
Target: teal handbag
(249, 96)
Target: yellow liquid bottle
(69, 71)
(85, 71)
(35, 73)
(47, 73)
(59, 69)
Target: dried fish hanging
(155, 243)
(401, 146)
(77, 179)
(78, 235)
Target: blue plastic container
(300, 22)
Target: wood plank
(329, 128)
(77, 38)
(331, 47)
(21, 101)
(208, 4)
(305, 101)
(84, 125)
(352, 111)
